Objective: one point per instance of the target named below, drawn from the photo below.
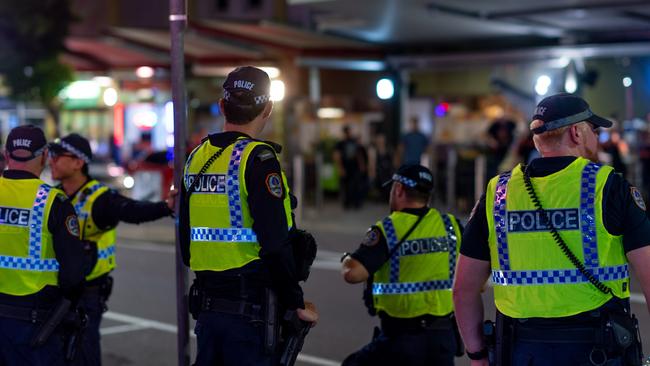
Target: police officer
(41, 257)
(235, 225)
(411, 255)
(550, 311)
(100, 209)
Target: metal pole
(451, 178)
(177, 24)
(479, 176)
(298, 184)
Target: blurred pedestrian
(100, 209)
(500, 135)
(556, 237)
(410, 258)
(236, 224)
(41, 256)
(412, 145)
(351, 161)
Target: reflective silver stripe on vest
(34, 261)
(395, 287)
(505, 276)
(232, 235)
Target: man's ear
(575, 134)
(267, 110)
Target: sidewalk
(331, 218)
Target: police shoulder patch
(274, 185)
(637, 197)
(372, 237)
(72, 225)
(265, 154)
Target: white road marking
(326, 259)
(135, 323)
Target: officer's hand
(171, 198)
(309, 313)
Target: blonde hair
(554, 137)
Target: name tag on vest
(14, 216)
(208, 183)
(424, 246)
(527, 221)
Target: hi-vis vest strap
(83, 203)
(532, 276)
(27, 260)
(418, 278)
(221, 227)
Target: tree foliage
(32, 36)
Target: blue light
(215, 111)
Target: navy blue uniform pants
(15, 350)
(230, 340)
(89, 352)
(414, 348)
(556, 354)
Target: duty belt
(232, 307)
(23, 313)
(426, 322)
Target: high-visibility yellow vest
(531, 274)
(83, 203)
(221, 226)
(27, 259)
(417, 279)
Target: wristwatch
(344, 255)
(483, 353)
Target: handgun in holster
(75, 325)
(622, 336)
(56, 317)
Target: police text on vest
(526, 221)
(14, 216)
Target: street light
(542, 85)
(385, 89)
(277, 90)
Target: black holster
(504, 328)
(271, 322)
(622, 337)
(195, 300)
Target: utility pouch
(195, 300)
(624, 337)
(271, 323)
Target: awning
(198, 47)
(106, 53)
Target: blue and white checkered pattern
(451, 238)
(500, 220)
(34, 261)
(85, 194)
(558, 276)
(410, 287)
(391, 240)
(232, 184)
(406, 181)
(106, 252)
(232, 235)
(587, 214)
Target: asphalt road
(140, 328)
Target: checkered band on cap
(410, 287)
(258, 99)
(558, 276)
(500, 220)
(232, 235)
(404, 180)
(78, 153)
(34, 261)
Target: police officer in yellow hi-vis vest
(41, 256)
(557, 238)
(235, 223)
(100, 209)
(411, 255)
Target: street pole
(177, 24)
